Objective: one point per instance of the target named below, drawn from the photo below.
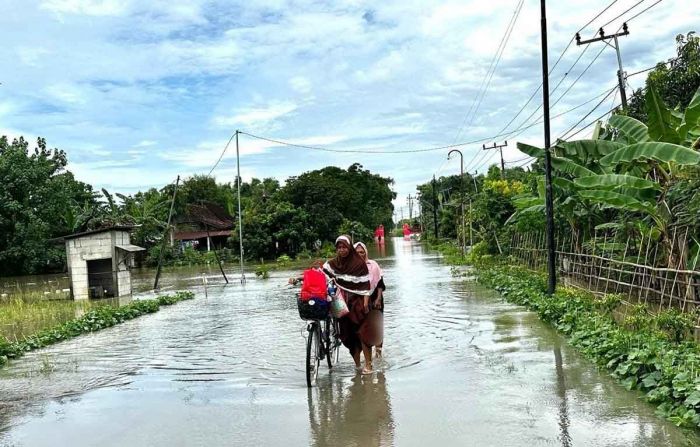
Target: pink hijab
(375, 272)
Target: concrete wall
(97, 246)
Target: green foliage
(676, 82)
(284, 260)
(262, 271)
(35, 192)
(93, 320)
(652, 354)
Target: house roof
(101, 230)
(208, 215)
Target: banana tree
(629, 170)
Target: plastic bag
(339, 307)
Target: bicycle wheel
(313, 353)
(332, 342)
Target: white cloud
(87, 7)
(165, 74)
(256, 117)
(67, 93)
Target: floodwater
(461, 368)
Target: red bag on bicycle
(314, 285)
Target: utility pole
(500, 149)
(240, 216)
(549, 202)
(410, 207)
(604, 39)
(165, 234)
(461, 179)
(435, 219)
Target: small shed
(99, 262)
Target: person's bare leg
(356, 358)
(367, 351)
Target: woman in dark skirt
(350, 273)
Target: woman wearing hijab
(351, 274)
(374, 321)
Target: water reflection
(358, 414)
(564, 435)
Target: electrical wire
(556, 63)
(623, 13)
(643, 11)
(222, 154)
(563, 136)
(485, 83)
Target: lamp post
(461, 178)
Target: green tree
(35, 191)
(675, 81)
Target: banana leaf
(691, 119)
(634, 130)
(610, 199)
(657, 151)
(662, 122)
(589, 150)
(564, 184)
(609, 226)
(614, 180)
(643, 195)
(570, 167)
(532, 151)
(532, 209)
(526, 202)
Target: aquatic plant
(93, 320)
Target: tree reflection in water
(354, 415)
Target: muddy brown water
(461, 368)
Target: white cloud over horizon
(138, 92)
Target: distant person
(379, 234)
(406, 231)
(375, 318)
(351, 275)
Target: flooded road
(461, 368)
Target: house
(203, 227)
(99, 262)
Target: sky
(138, 92)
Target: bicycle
(323, 342)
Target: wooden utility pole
(165, 234)
(500, 149)
(604, 38)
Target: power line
(623, 13)
(644, 10)
(606, 94)
(563, 136)
(556, 63)
(519, 160)
(222, 155)
(486, 82)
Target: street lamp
(461, 172)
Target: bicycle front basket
(313, 309)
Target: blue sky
(138, 92)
